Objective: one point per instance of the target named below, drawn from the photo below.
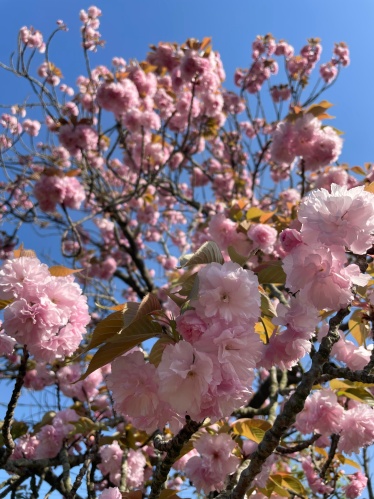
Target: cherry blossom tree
(206, 326)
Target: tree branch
(172, 449)
(7, 426)
(292, 407)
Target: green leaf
(130, 313)
(18, 429)
(47, 419)
(187, 285)
(5, 303)
(185, 258)
(275, 485)
(269, 327)
(358, 170)
(236, 257)
(194, 293)
(149, 304)
(136, 332)
(134, 494)
(178, 300)
(106, 329)
(254, 429)
(209, 252)
(293, 484)
(85, 426)
(168, 494)
(254, 213)
(267, 307)
(271, 273)
(358, 328)
(188, 446)
(158, 348)
(370, 187)
(338, 384)
(318, 110)
(360, 394)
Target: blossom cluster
(48, 442)
(48, 314)
(318, 271)
(305, 137)
(209, 372)
(51, 190)
(323, 413)
(111, 465)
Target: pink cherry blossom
(321, 413)
(39, 378)
(7, 344)
(118, 97)
(263, 237)
(50, 442)
(31, 127)
(227, 291)
(358, 482)
(184, 376)
(315, 482)
(355, 357)
(111, 493)
(325, 150)
(49, 191)
(26, 447)
(319, 274)
(357, 429)
(86, 389)
(224, 233)
(343, 217)
(32, 38)
(137, 395)
(281, 149)
(80, 137)
(111, 461)
(289, 239)
(209, 470)
(190, 326)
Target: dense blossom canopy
(211, 327)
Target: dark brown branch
(331, 372)
(334, 444)
(18, 465)
(13, 487)
(292, 407)
(172, 449)
(134, 252)
(367, 473)
(78, 481)
(56, 483)
(7, 426)
(298, 447)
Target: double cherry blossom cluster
(305, 138)
(318, 271)
(209, 372)
(46, 313)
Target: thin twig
(7, 426)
